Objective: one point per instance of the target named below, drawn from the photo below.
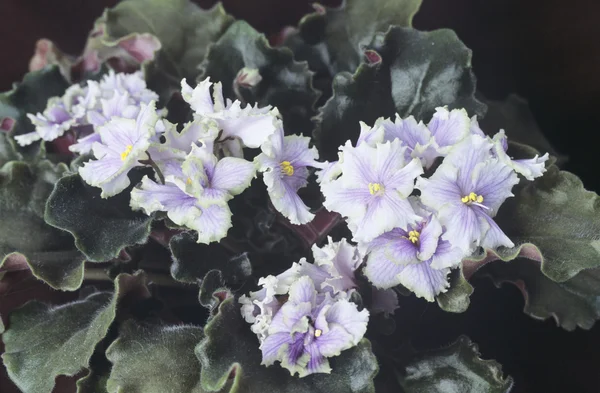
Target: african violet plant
(306, 188)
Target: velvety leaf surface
(155, 359)
(24, 236)
(571, 303)
(415, 73)
(332, 40)
(30, 96)
(456, 299)
(101, 227)
(44, 341)
(230, 350)
(8, 150)
(183, 29)
(191, 260)
(457, 368)
(285, 83)
(559, 216)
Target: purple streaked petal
(283, 194)
(446, 256)
(494, 237)
(199, 98)
(371, 135)
(383, 214)
(213, 223)
(384, 301)
(494, 181)
(303, 291)
(403, 180)
(84, 145)
(429, 238)
(466, 155)
(449, 127)
(424, 281)
(441, 188)
(233, 175)
(346, 315)
(296, 151)
(335, 340)
(465, 226)
(272, 345)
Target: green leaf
(457, 298)
(183, 29)
(514, 116)
(332, 40)
(571, 303)
(8, 150)
(101, 227)
(155, 359)
(31, 96)
(24, 236)
(457, 368)
(417, 72)
(192, 261)
(560, 217)
(230, 351)
(284, 83)
(43, 341)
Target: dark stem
(154, 166)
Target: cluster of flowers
(198, 169)
(415, 238)
(304, 315)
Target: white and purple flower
(123, 142)
(467, 190)
(416, 257)
(51, 124)
(309, 328)
(528, 168)
(284, 162)
(373, 189)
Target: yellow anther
(318, 333)
(189, 181)
(413, 236)
(374, 188)
(126, 152)
(287, 168)
(472, 197)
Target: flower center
(126, 152)
(189, 181)
(318, 333)
(287, 168)
(472, 197)
(375, 188)
(413, 236)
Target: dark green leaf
(43, 341)
(332, 40)
(515, 118)
(24, 236)
(8, 150)
(457, 368)
(571, 303)
(285, 83)
(155, 359)
(230, 350)
(456, 299)
(31, 96)
(101, 227)
(183, 29)
(191, 261)
(560, 217)
(418, 72)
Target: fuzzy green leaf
(571, 303)
(332, 40)
(8, 151)
(25, 238)
(43, 341)
(155, 359)
(31, 96)
(457, 368)
(284, 83)
(191, 261)
(101, 227)
(230, 350)
(183, 29)
(418, 72)
(560, 217)
(457, 298)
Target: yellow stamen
(126, 152)
(287, 168)
(189, 181)
(413, 236)
(472, 197)
(374, 188)
(318, 333)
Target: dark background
(548, 51)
